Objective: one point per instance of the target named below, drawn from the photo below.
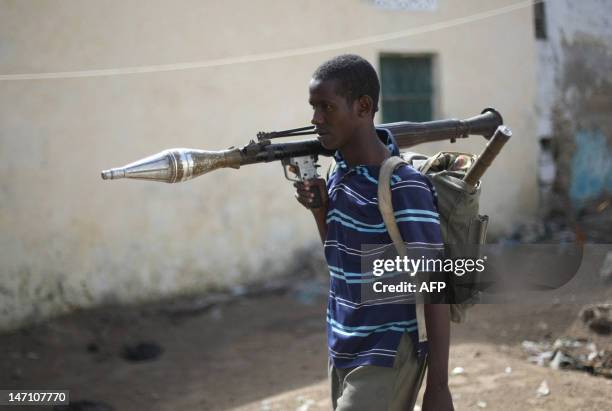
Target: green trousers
(375, 388)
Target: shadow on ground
(224, 352)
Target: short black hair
(355, 75)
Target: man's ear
(365, 106)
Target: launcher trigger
(289, 167)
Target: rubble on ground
(598, 318)
(543, 389)
(570, 354)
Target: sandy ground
(268, 353)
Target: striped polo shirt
(368, 332)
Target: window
(407, 89)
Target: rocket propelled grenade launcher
(181, 164)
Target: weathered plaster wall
(69, 239)
(575, 100)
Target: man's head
(344, 95)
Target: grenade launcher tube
(407, 134)
(181, 164)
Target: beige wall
(69, 239)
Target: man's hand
(437, 398)
(305, 193)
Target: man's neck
(365, 148)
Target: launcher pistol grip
(304, 168)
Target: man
(372, 344)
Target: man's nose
(317, 118)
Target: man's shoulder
(406, 173)
(410, 185)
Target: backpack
(461, 226)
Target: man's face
(334, 118)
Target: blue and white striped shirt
(368, 332)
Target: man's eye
(327, 107)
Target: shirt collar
(384, 135)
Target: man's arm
(304, 196)
(320, 217)
(437, 322)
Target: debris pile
(569, 353)
(598, 318)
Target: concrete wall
(69, 239)
(574, 101)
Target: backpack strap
(385, 206)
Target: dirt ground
(268, 352)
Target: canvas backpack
(463, 229)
